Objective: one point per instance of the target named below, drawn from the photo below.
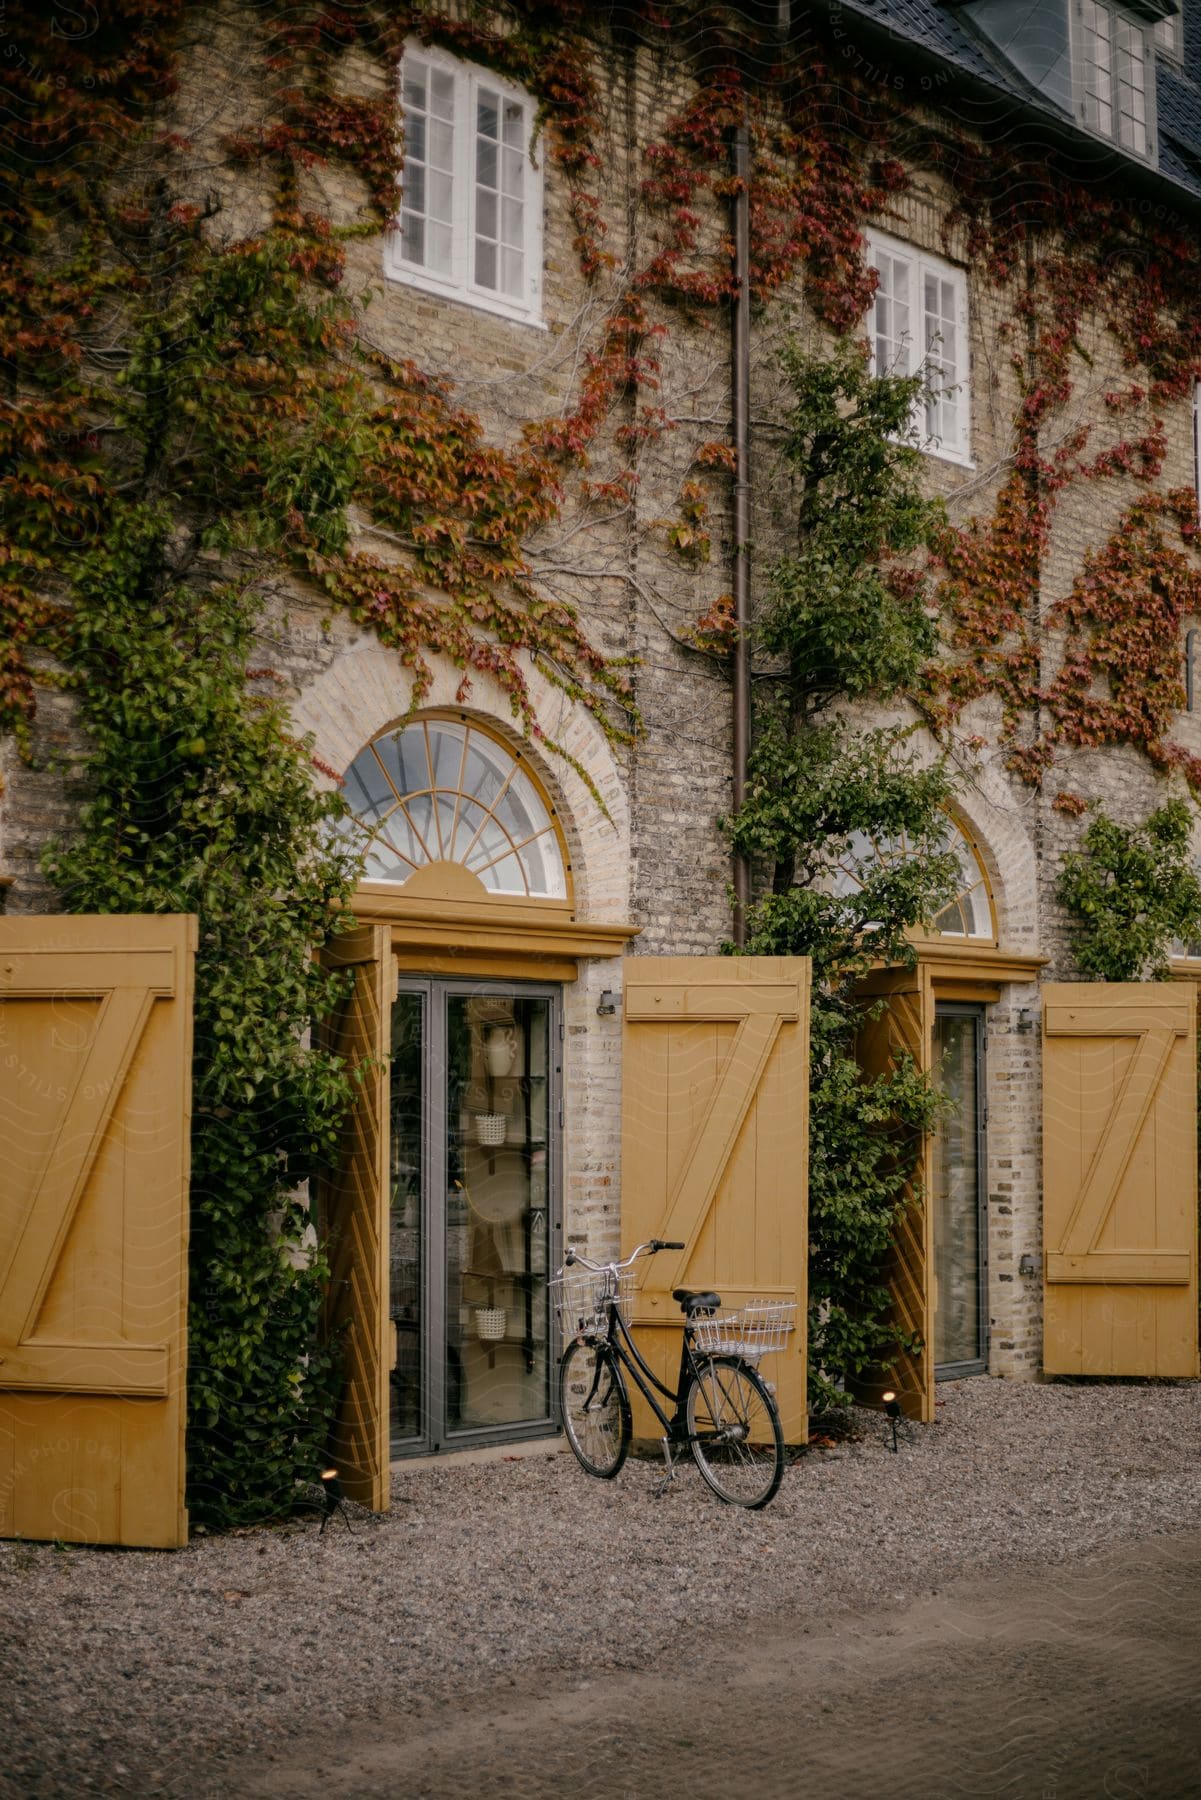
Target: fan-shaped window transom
(968, 915)
(437, 790)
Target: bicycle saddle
(693, 1302)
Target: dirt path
(1074, 1683)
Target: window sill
(1147, 159)
(463, 296)
(960, 458)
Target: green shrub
(1131, 890)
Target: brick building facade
(655, 858)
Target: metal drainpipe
(741, 385)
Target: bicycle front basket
(582, 1298)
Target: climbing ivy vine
(202, 802)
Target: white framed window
(1169, 37)
(1113, 75)
(919, 324)
(470, 216)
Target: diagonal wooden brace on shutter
(95, 1100)
(1120, 1178)
(715, 1144)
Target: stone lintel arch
(368, 689)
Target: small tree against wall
(846, 620)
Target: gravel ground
(154, 1672)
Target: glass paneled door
(958, 1195)
(473, 1220)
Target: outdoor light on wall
(892, 1412)
(1025, 1019)
(335, 1500)
(606, 1006)
(1026, 1264)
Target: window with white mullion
(427, 208)
(501, 130)
(1096, 25)
(1132, 87)
(470, 212)
(1114, 74)
(941, 322)
(1169, 37)
(893, 346)
(919, 325)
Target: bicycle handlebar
(572, 1255)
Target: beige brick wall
(659, 858)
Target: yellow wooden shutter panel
(95, 1113)
(353, 1211)
(1120, 1178)
(715, 1078)
(905, 1024)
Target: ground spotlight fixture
(335, 1500)
(606, 1006)
(892, 1412)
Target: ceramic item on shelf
(500, 1050)
(489, 1323)
(498, 1198)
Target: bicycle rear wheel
(595, 1408)
(734, 1431)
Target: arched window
(440, 790)
(968, 915)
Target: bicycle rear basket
(758, 1328)
(582, 1297)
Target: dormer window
(1113, 69)
(1169, 38)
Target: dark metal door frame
(978, 1365)
(437, 992)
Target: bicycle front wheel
(595, 1408)
(734, 1431)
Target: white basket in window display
(490, 1128)
(489, 1323)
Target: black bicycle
(723, 1410)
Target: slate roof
(992, 95)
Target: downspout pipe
(740, 356)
